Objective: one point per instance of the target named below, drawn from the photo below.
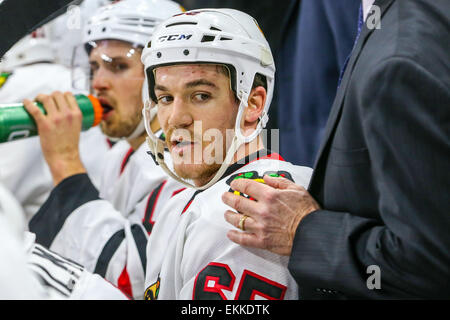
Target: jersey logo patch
(4, 77)
(253, 175)
(152, 292)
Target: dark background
(20, 17)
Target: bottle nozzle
(98, 109)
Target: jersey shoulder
(209, 202)
(256, 170)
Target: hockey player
(106, 229)
(31, 68)
(211, 73)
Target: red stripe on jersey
(190, 201)
(272, 156)
(124, 284)
(109, 142)
(177, 192)
(187, 206)
(125, 159)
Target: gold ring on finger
(242, 222)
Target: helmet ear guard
(213, 36)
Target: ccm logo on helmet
(174, 37)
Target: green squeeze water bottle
(16, 123)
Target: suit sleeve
(75, 223)
(405, 113)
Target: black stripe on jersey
(45, 275)
(141, 243)
(108, 251)
(48, 284)
(190, 201)
(57, 260)
(67, 196)
(151, 204)
(114, 243)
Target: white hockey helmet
(65, 31)
(32, 48)
(213, 36)
(132, 21)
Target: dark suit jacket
(382, 175)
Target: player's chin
(116, 129)
(186, 170)
(105, 126)
(192, 171)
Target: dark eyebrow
(113, 59)
(200, 82)
(192, 84)
(160, 88)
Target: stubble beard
(120, 128)
(188, 167)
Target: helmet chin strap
(139, 130)
(157, 148)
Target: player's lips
(107, 108)
(180, 145)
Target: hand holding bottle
(59, 131)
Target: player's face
(117, 78)
(196, 109)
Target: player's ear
(256, 102)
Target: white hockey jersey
(62, 278)
(29, 271)
(30, 80)
(23, 169)
(192, 258)
(17, 281)
(106, 230)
